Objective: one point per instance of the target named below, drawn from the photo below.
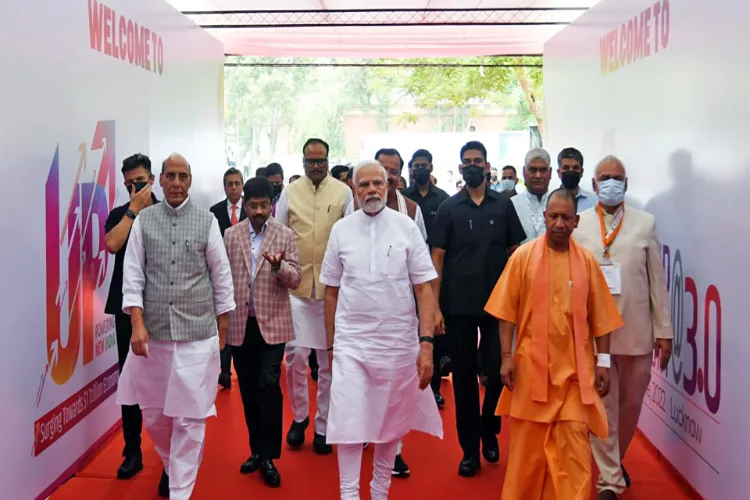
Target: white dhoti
(175, 386)
(310, 333)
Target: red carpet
(433, 465)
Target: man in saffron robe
(554, 292)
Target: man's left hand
(424, 367)
(274, 259)
(663, 349)
(602, 380)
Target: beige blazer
(644, 301)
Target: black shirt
(114, 299)
(476, 241)
(427, 204)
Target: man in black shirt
(136, 170)
(474, 233)
(428, 197)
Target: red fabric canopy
(306, 34)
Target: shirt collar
(489, 194)
(262, 229)
(238, 204)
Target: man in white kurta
(531, 204)
(177, 287)
(375, 263)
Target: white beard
(373, 205)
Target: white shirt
(530, 211)
(282, 207)
(418, 218)
(375, 260)
(134, 277)
(238, 210)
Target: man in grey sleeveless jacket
(177, 288)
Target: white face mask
(507, 184)
(611, 192)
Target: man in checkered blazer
(263, 258)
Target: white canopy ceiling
(383, 28)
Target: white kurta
(179, 377)
(530, 211)
(307, 314)
(375, 394)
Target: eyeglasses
(320, 162)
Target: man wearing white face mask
(629, 252)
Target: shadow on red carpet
(433, 464)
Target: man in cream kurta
(376, 261)
(554, 291)
(177, 286)
(310, 207)
(530, 204)
(625, 242)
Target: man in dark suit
(136, 170)
(229, 212)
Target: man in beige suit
(625, 242)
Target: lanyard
(536, 223)
(608, 236)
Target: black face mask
(473, 175)
(139, 185)
(570, 179)
(422, 176)
(277, 190)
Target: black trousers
(258, 367)
(226, 360)
(132, 420)
(473, 425)
(313, 359)
(440, 350)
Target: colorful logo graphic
(71, 286)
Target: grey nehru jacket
(178, 298)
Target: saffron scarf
(540, 318)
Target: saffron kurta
(375, 394)
(565, 393)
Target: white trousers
(350, 465)
(179, 443)
(296, 379)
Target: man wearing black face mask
(275, 175)
(570, 171)
(428, 197)
(136, 170)
(473, 235)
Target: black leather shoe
(251, 465)
(469, 467)
(606, 495)
(164, 485)
(270, 474)
(440, 400)
(320, 446)
(225, 380)
(400, 469)
(295, 438)
(130, 467)
(625, 476)
(491, 450)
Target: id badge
(612, 272)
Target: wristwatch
(130, 214)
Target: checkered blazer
(271, 292)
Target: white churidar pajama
(310, 333)
(175, 386)
(375, 396)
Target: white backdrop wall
(669, 99)
(77, 99)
